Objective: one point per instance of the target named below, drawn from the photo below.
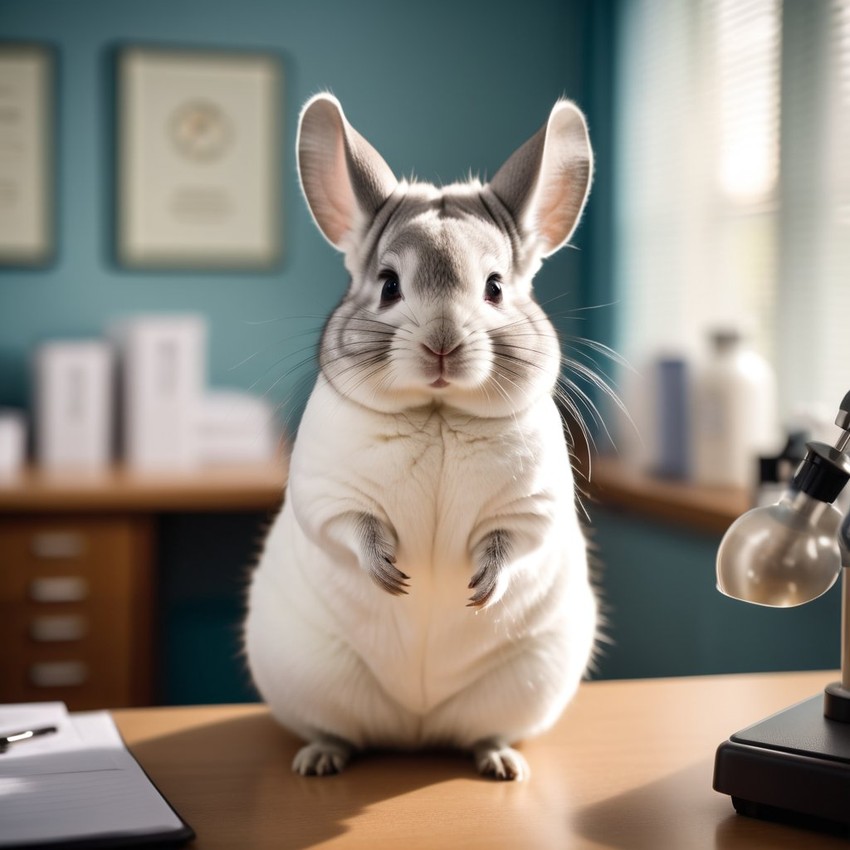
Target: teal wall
(665, 617)
(438, 87)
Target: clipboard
(80, 787)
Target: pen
(25, 735)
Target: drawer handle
(58, 628)
(58, 545)
(59, 589)
(58, 674)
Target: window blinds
(733, 194)
(813, 298)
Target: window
(733, 185)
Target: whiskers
(359, 350)
(282, 368)
(354, 347)
(528, 344)
(366, 354)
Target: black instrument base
(793, 767)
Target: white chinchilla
(426, 581)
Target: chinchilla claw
(387, 577)
(484, 585)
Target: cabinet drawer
(58, 674)
(57, 544)
(60, 543)
(58, 628)
(71, 588)
(75, 607)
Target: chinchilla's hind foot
(323, 757)
(496, 759)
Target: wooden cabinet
(78, 573)
(75, 609)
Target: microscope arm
(844, 544)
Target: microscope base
(792, 767)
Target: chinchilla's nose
(442, 336)
(441, 352)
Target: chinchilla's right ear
(343, 177)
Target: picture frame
(198, 159)
(27, 85)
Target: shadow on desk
(245, 761)
(667, 813)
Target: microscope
(794, 766)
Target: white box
(12, 441)
(236, 427)
(163, 372)
(73, 404)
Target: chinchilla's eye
(391, 290)
(493, 289)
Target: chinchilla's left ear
(344, 178)
(545, 182)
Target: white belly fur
(332, 653)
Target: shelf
(708, 509)
(260, 487)
(214, 488)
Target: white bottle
(734, 417)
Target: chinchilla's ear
(545, 182)
(344, 178)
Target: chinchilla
(426, 582)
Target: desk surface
(712, 509)
(246, 486)
(629, 766)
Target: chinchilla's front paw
(490, 556)
(378, 555)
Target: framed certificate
(198, 159)
(26, 154)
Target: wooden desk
(712, 509)
(255, 486)
(629, 766)
(78, 560)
